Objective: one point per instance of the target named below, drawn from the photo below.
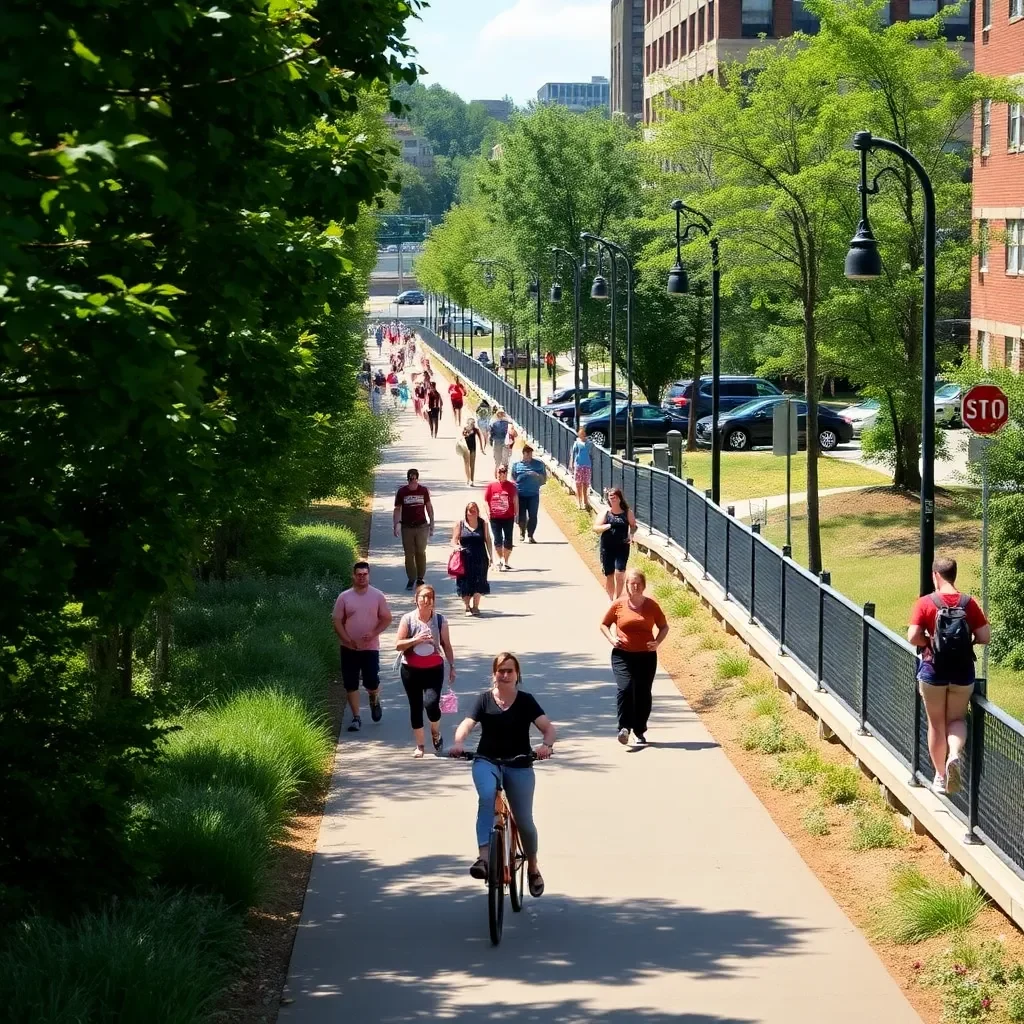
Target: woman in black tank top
(616, 529)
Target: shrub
(876, 830)
(732, 665)
(215, 839)
(692, 627)
(798, 770)
(766, 735)
(1015, 1001)
(161, 960)
(319, 550)
(839, 784)
(756, 686)
(815, 822)
(768, 704)
(681, 604)
(921, 908)
(712, 641)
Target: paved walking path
(671, 895)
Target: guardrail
(864, 665)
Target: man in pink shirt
(360, 615)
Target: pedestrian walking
(581, 465)
(472, 537)
(379, 333)
(549, 363)
(376, 398)
(403, 394)
(360, 615)
(423, 644)
(944, 627)
(502, 500)
(483, 417)
(419, 398)
(414, 517)
(634, 654)
(434, 407)
(529, 475)
(498, 434)
(469, 443)
(617, 527)
(457, 396)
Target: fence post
(707, 498)
(826, 579)
(977, 759)
(636, 482)
(869, 613)
(686, 519)
(650, 505)
(755, 529)
(787, 552)
(915, 754)
(730, 512)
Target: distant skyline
(489, 49)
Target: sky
(487, 49)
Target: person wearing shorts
(616, 527)
(498, 434)
(457, 394)
(502, 500)
(360, 615)
(581, 465)
(946, 685)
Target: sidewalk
(671, 895)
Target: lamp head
(863, 261)
(678, 282)
(556, 292)
(599, 289)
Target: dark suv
(733, 391)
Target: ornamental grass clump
(798, 770)
(920, 908)
(732, 665)
(839, 784)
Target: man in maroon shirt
(414, 516)
(944, 626)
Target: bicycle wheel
(496, 885)
(517, 869)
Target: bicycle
(506, 861)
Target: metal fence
(851, 655)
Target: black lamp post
(679, 284)
(535, 293)
(490, 264)
(601, 292)
(556, 296)
(864, 263)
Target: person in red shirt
(457, 394)
(946, 671)
(502, 499)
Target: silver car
(863, 416)
(947, 405)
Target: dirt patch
(858, 881)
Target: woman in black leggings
(424, 644)
(434, 406)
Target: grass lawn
(869, 543)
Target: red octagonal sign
(985, 409)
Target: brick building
(997, 284)
(684, 40)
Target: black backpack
(952, 640)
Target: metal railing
(850, 654)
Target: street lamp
(556, 296)
(600, 291)
(489, 279)
(534, 292)
(864, 263)
(679, 284)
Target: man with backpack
(944, 627)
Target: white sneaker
(939, 785)
(623, 736)
(953, 775)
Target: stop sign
(985, 409)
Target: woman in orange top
(634, 653)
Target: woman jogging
(616, 528)
(634, 654)
(505, 714)
(502, 499)
(457, 395)
(473, 537)
(499, 435)
(424, 643)
(434, 406)
(472, 441)
(581, 464)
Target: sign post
(985, 411)
(784, 442)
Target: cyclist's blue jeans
(519, 784)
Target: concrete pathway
(671, 895)
(744, 507)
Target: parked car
(650, 424)
(750, 426)
(484, 357)
(459, 323)
(410, 298)
(510, 360)
(392, 248)
(947, 405)
(590, 401)
(733, 391)
(862, 416)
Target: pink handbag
(455, 566)
(449, 702)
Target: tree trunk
(221, 545)
(163, 641)
(109, 656)
(811, 379)
(124, 671)
(908, 470)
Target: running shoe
(641, 739)
(357, 724)
(623, 736)
(533, 540)
(939, 785)
(409, 585)
(376, 711)
(419, 582)
(953, 775)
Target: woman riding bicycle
(505, 714)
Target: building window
(675, 43)
(922, 9)
(1017, 8)
(803, 20)
(693, 32)
(956, 23)
(1015, 246)
(1010, 352)
(1015, 126)
(700, 28)
(885, 14)
(986, 126)
(682, 37)
(756, 18)
(982, 245)
(711, 20)
(986, 14)
(983, 348)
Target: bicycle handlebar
(519, 761)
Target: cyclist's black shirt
(505, 733)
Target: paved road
(671, 895)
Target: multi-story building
(500, 110)
(997, 282)
(415, 149)
(684, 40)
(577, 96)
(627, 84)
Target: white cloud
(547, 21)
